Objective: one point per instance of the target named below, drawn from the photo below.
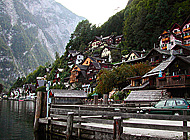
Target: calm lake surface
(16, 121)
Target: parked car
(163, 107)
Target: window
(170, 103)
(160, 104)
(180, 102)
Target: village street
(147, 132)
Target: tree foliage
(145, 20)
(119, 77)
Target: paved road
(148, 132)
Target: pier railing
(100, 122)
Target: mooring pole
(38, 110)
(47, 89)
(185, 134)
(118, 130)
(69, 125)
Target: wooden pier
(110, 122)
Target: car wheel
(176, 113)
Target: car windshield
(180, 102)
(160, 104)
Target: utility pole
(47, 89)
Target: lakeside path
(147, 132)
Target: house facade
(186, 32)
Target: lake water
(16, 121)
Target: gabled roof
(92, 58)
(183, 58)
(135, 52)
(82, 67)
(84, 73)
(96, 65)
(180, 46)
(73, 52)
(165, 52)
(145, 95)
(119, 36)
(175, 25)
(162, 66)
(61, 93)
(98, 38)
(185, 22)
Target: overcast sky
(97, 12)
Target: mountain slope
(31, 31)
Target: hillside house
(156, 56)
(133, 55)
(176, 77)
(170, 38)
(74, 57)
(78, 74)
(186, 32)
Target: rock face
(31, 31)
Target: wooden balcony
(180, 81)
(186, 44)
(187, 37)
(186, 29)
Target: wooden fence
(74, 120)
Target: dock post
(185, 134)
(95, 99)
(79, 130)
(38, 110)
(69, 129)
(118, 130)
(105, 99)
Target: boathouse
(62, 96)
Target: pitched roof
(61, 93)
(183, 58)
(145, 95)
(175, 25)
(96, 65)
(165, 52)
(73, 52)
(82, 67)
(92, 58)
(162, 66)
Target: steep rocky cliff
(31, 31)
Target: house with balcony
(176, 77)
(168, 39)
(186, 32)
(171, 75)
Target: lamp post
(47, 89)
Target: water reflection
(16, 122)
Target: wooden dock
(100, 122)
(110, 122)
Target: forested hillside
(141, 23)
